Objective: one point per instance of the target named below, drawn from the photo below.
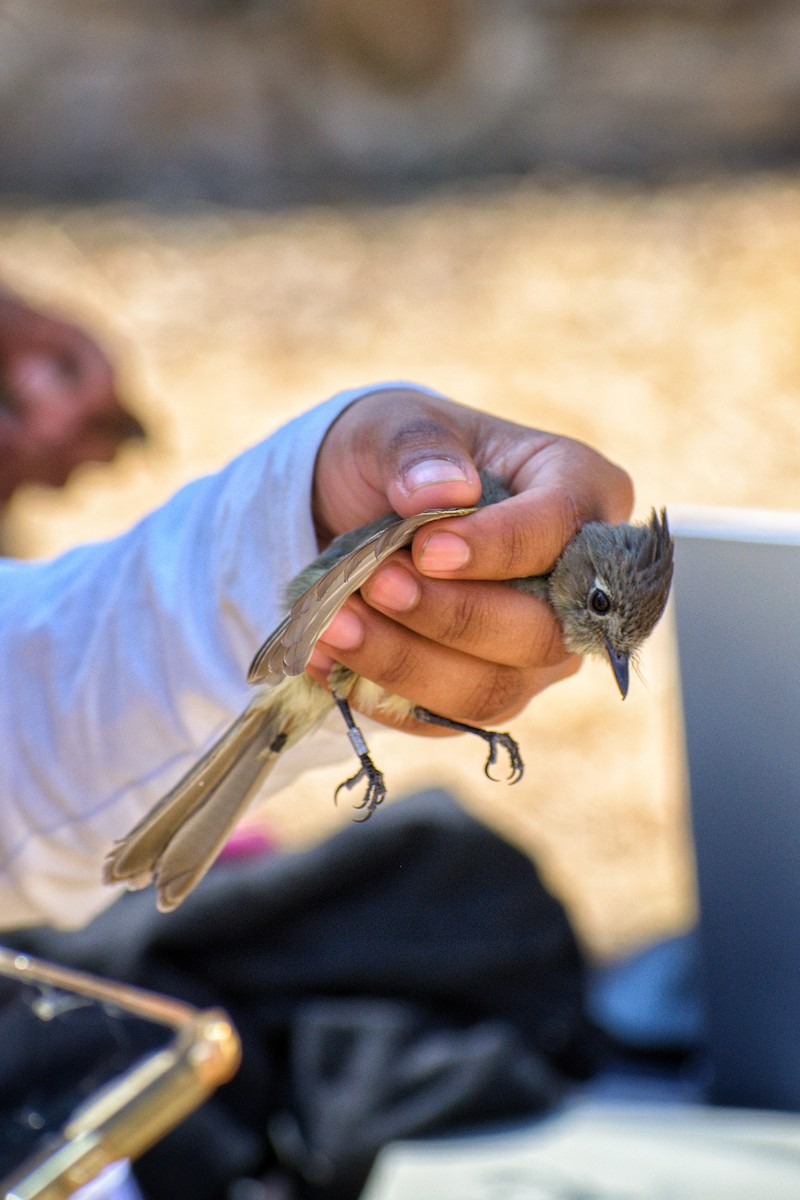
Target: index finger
(524, 535)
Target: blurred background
(581, 214)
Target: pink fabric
(247, 843)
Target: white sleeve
(122, 659)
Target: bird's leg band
(494, 740)
(376, 787)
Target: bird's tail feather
(178, 840)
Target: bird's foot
(376, 787)
(496, 741)
(375, 790)
(516, 767)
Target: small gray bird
(608, 590)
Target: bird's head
(610, 587)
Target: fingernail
(444, 552)
(394, 588)
(433, 470)
(345, 632)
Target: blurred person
(59, 406)
(123, 660)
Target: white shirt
(123, 660)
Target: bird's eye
(599, 601)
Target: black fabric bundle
(409, 976)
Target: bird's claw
(375, 791)
(493, 739)
(516, 766)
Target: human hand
(435, 625)
(58, 402)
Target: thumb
(398, 448)
(438, 474)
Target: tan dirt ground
(663, 326)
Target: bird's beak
(620, 665)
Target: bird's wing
(288, 648)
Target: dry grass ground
(661, 326)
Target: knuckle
(499, 692)
(397, 666)
(419, 436)
(517, 551)
(567, 518)
(465, 620)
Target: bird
(608, 589)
